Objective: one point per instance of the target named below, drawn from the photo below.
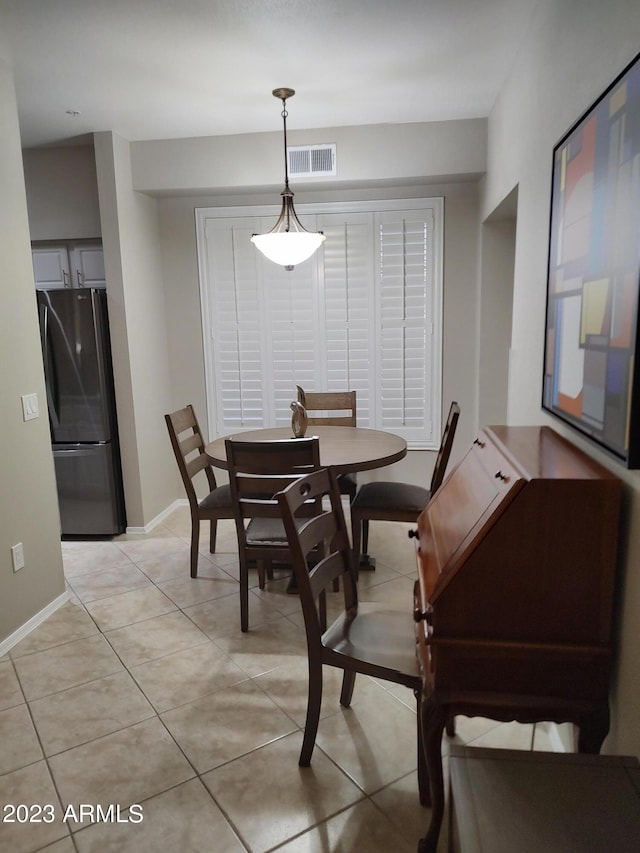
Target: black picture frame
(591, 374)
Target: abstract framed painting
(591, 376)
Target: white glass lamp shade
(288, 248)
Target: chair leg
(260, 565)
(195, 541)
(212, 535)
(356, 531)
(244, 595)
(348, 681)
(450, 728)
(365, 536)
(314, 703)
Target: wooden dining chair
(257, 471)
(372, 639)
(387, 501)
(188, 446)
(334, 408)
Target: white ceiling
(155, 69)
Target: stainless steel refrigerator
(76, 350)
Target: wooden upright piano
(513, 603)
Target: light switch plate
(30, 408)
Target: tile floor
(142, 690)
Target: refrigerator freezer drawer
(89, 491)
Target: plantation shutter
(362, 314)
(348, 309)
(406, 303)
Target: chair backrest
(260, 469)
(446, 443)
(330, 403)
(324, 534)
(188, 447)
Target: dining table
(345, 449)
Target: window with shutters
(364, 314)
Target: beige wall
(28, 501)
(135, 293)
(366, 156)
(62, 193)
(574, 50)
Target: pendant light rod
(288, 242)
(283, 95)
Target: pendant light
(288, 243)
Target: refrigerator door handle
(78, 449)
(44, 340)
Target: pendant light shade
(288, 243)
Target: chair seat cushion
(397, 496)
(378, 635)
(217, 498)
(265, 531)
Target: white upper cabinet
(68, 264)
(51, 267)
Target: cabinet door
(87, 264)
(51, 267)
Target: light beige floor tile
(288, 687)
(10, 693)
(375, 740)
(381, 574)
(174, 565)
(275, 595)
(187, 591)
(361, 827)
(265, 646)
(66, 666)
(507, 736)
(122, 768)
(389, 543)
(89, 711)
(106, 582)
(129, 607)
(182, 677)
(182, 820)
(19, 744)
(268, 812)
(68, 622)
(220, 617)
(146, 548)
(396, 593)
(31, 785)
(469, 729)
(543, 739)
(400, 802)
(226, 724)
(83, 557)
(65, 845)
(155, 638)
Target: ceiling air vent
(312, 161)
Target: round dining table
(345, 449)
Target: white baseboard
(32, 623)
(158, 519)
